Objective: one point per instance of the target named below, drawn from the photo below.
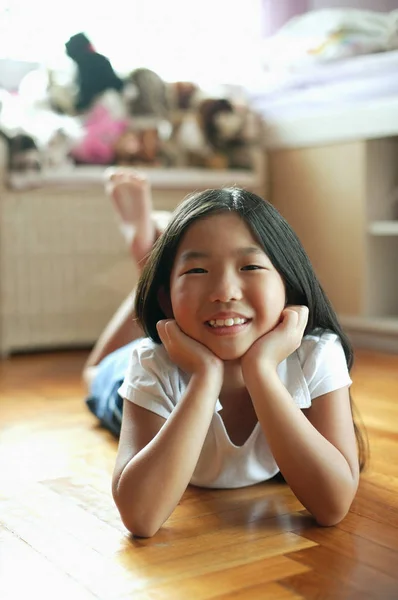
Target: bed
(336, 101)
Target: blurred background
(278, 97)
(177, 39)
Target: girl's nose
(225, 288)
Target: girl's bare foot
(130, 192)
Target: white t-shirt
(153, 382)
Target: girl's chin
(227, 355)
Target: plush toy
(182, 94)
(146, 94)
(141, 147)
(23, 154)
(101, 131)
(95, 72)
(214, 134)
(61, 95)
(225, 129)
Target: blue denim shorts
(103, 399)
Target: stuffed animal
(61, 96)
(182, 94)
(141, 147)
(214, 133)
(225, 129)
(94, 71)
(146, 94)
(23, 154)
(101, 130)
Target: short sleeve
(324, 364)
(149, 382)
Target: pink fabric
(101, 132)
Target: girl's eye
(251, 268)
(195, 270)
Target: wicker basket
(64, 268)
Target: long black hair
(278, 241)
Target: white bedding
(356, 79)
(348, 99)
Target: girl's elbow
(335, 505)
(138, 524)
(140, 529)
(332, 515)
(329, 520)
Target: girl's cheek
(183, 294)
(180, 303)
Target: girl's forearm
(153, 482)
(316, 471)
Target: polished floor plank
(24, 572)
(343, 574)
(57, 516)
(373, 531)
(356, 548)
(317, 586)
(271, 591)
(212, 585)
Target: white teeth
(227, 322)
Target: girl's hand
(273, 347)
(188, 354)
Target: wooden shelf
(386, 228)
(385, 325)
(178, 178)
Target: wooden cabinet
(341, 199)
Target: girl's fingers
(290, 318)
(303, 317)
(297, 316)
(161, 327)
(170, 333)
(295, 320)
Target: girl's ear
(165, 303)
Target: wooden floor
(61, 536)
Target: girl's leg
(105, 367)
(131, 196)
(130, 193)
(121, 329)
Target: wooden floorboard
(61, 536)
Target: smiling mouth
(215, 323)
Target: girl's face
(225, 293)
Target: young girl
(243, 371)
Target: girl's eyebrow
(194, 254)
